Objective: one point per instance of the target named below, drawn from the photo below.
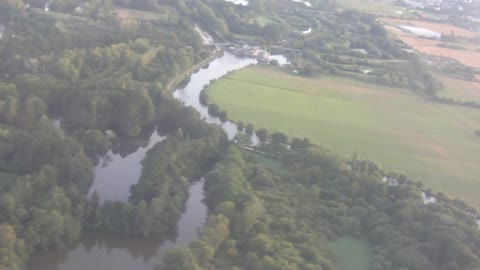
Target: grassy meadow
(351, 254)
(430, 142)
(460, 90)
(125, 13)
(371, 6)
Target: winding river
(189, 95)
(119, 169)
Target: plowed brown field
(467, 57)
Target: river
(105, 251)
(119, 169)
(189, 95)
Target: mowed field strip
(431, 142)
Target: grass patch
(460, 90)
(267, 162)
(261, 20)
(351, 254)
(297, 22)
(7, 180)
(371, 6)
(140, 15)
(431, 142)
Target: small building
(78, 10)
(253, 52)
(46, 8)
(2, 29)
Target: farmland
(469, 57)
(438, 27)
(432, 142)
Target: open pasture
(378, 7)
(431, 142)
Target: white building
(2, 29)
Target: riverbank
(128, 253)
(383, 124)
(173, 83)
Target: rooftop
(2, 28)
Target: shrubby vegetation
(271, 218)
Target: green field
(351, 254)
(261, 20)
(372, 6)
(7, 180)
(431, 142)
(267, 162)
(163, 14)
(384, 7)
(460, 90)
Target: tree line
(282, 217)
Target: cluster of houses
(251, 51)
(438, 5)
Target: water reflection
(190, 94)
(104, 251)
(121, 167)
(101, 251)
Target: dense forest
(83, 68)
(282, 217)
(108, 77)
